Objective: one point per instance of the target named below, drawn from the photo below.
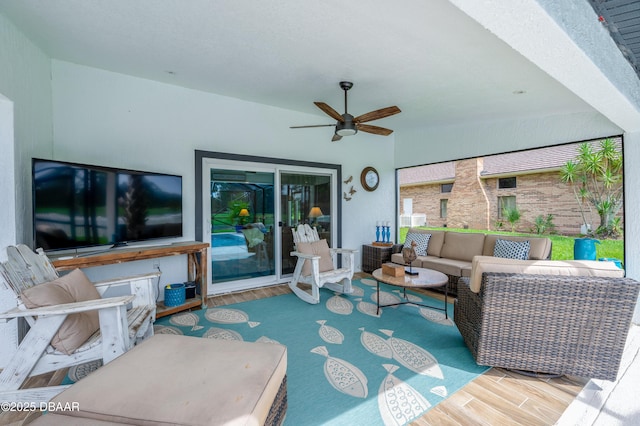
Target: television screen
(78, 205)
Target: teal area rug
(346, 365)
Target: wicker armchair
(574, 325)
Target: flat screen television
(80, 205)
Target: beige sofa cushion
(435, 242)
(397, 258)
(481, 264)
(540, 246)
(447, 266)
(183, 380)
(462, 245)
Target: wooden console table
(196, 264)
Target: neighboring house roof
(440, 172)
(513, 163)
(529, 161)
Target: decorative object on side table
(393, 269)
(383, 234)
(409, 255)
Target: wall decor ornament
(369, 179)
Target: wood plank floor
(498, 397)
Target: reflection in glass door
(248, 211)
(242, 225)
(304, 198)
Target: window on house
(508, 202)
(443, 208)
(506, 183)
(446, 187)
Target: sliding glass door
(242, 224)
(248, 212)
(304, 199)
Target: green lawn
(562, 247)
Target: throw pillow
(422, 241)
(319, 248)
(512, 249)
(70, 288)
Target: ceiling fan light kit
(346, 129)
(347, 125)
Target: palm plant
(596, 178)
(512, 214)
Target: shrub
(544, 224)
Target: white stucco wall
(111, 119)
(7, 177)
(25, 127)
(25, 79)
(8, 331)
(631, 203)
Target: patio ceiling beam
(566, 40)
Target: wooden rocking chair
(119, 330)
(321, 266)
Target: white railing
(416, 219)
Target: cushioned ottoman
(182, 380)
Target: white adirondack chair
(120, 328)
(337, 279)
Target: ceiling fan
(347, 124)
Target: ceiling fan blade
(336, 138)
(314, 125)
(377, 114)
(374, 129)
(329, 111)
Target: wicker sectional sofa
(452, 252)
(558, 317)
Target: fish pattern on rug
(342, 375)
(398, 402)
(362, 367)
(186, 319)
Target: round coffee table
(423, 278)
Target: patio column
(631, 157)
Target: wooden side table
(374, 256)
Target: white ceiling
(427, 57)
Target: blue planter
(585, 249)
(174, 295)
